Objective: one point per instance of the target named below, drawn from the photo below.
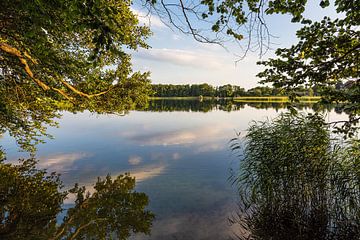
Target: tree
(226, 91)
(30, 201)
(114, 209)
(68, 55)
(327, 52)
(242, 20)
(239, 91)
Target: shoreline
(279, 99)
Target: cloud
(61, 162)
(175, 37)
(195, 225)
(176, 156)
(140, 174)
(182, 57)
(210, 147)
(148, 172)
(163, 139)
(134, 160)
(180, 137)
(149, 20)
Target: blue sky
(176, 58)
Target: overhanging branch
(22, 57)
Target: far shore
(280, 99)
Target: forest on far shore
(228, 90)
(196, 90)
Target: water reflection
(61, 162)
(30, 201)
(296, 183)
(228, 105)
(189, 135)
(180, 160)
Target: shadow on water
(296, 182)
(31, 199)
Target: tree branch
(81, 93)
(85, 226)
(15, 52)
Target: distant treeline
(168, 105)
(206, 90)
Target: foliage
(295, 183)
(66, 55)
(30, 201)
(196, 90)
(243, 21)
(206, 90)
(326, 54)
(70, 55)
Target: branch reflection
(31, 200)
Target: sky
(176, 58)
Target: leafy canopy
(326, 57)
(66, 55)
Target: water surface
(178, 152)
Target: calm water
(178, 152)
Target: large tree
(66, 54)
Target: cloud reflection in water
(61, 162)
(178, 137)
(134, 160)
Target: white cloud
(148, 172)
(175, 37)
(176, 156)
(134, 160)
(210, 147)
(198, 65)
(180, 137)
(61, 162)
(149, 20)
(140, 174)
(182, 57)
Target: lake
(177, 150)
